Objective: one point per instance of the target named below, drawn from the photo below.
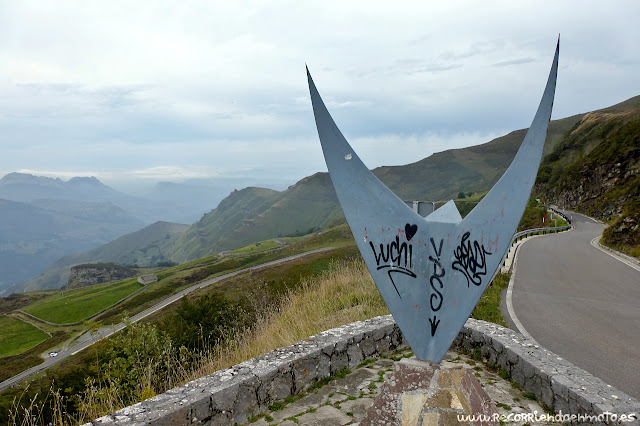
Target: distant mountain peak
(21, 178)
(85, 181)
(27, 187)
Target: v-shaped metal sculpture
(431, 271)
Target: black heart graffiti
(410, 231)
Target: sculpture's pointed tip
(309, 79)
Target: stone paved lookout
(334, 377)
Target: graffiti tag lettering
(436, 298)
(395, 256)
(470, 260)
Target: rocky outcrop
(587, 194)
(596, 170)
(90, 274)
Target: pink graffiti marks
(470, 259)
(396, 257)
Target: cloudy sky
(149, 90)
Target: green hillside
(311, 204)
(75, 305)
(142, 247)
(596, 170)
(35, 234)
(256, 214)
(203, 238)
(18, 336)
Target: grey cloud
(513, 62)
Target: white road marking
(596, 243)
(512, 312)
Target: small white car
(53, 354)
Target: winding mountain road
(88, 339)
(581, 303)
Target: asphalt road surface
(89, 339)
(581, 303)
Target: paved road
(581, 303)
(88, 339)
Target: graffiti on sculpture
(431, 271)
(470, 259)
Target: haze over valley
(166, 211)
(85, 221)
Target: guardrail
(536, 231)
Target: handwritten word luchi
(397, 257)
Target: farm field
(18, 336)
(66, 307)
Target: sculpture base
(421, 393)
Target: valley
(590, 165)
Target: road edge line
(510, 309)
(596, 243)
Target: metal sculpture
(431, 271)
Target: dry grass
(344, 294)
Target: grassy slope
(311, 203)
(256, 214)
(202, 238)
(138, 247)
(18, 336)
(596, 170)
(75, 305)
(474, 169)
(290, 300)
(343, 293)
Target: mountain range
(25, 187)
(43, 219)
(589, 143)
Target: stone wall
(232, 395)
(555, 382)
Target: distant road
(581, 303)
(87, 339)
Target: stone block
(281, 385)
(341, 346)
(411, 406)
(383, 345)
(324, 366)
(325, 415)
(223, 399)
(305, 371)
(246, 403)
(355, 355)
(546, 393)
(368, 346)
(201, 406)
(560, 386)
(338, 362)
(410, 375)
(220, 418)
(172, 417)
